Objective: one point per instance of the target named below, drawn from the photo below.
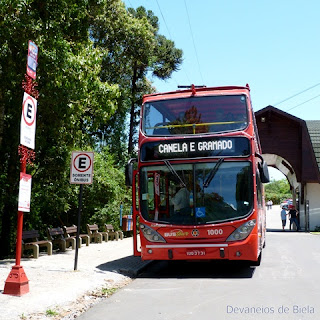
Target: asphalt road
(285, 286)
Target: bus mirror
(264, 172)
(263, 169)
(129, 172)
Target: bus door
(158, 190)
(156, 195)
(135, 213)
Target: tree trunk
(1, 118)
(133, 102)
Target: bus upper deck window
(195, 115)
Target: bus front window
(196, 193)
(194, 115)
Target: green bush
(317, 229)
(277, 191)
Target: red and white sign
(28, 121)
(24, 192)
(81, 171)
(32, 61)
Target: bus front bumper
(244, 250)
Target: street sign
(28, 121)
(17, 282)
(32, 60)
(24, 192)
(81, 171)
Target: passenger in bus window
(181, 200)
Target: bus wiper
(212, 173)
(174, 172)
(160, 221)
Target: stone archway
(284, 166)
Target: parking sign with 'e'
(81, 169)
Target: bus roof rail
(191, 86)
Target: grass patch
(51, 313)
(108, 291)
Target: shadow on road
(128, 266)
(136, 268)
(198, 269)
(274, 230)
(280, 230)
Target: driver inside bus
(181, 200)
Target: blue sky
(273, 45)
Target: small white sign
(24, 192)
(32, 61)
(81, 170)
(28, 121)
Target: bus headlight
(150, 234)
(243, 231)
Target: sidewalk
(274, 222)
(273, 218)
(55, 286)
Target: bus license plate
(196, 252)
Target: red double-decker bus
(197, 187)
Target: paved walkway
(53, 281)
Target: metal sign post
(17, 282)
(78, 228)
(81, 172)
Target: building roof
(295, 140)
(314, 132)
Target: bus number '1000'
(215, 232)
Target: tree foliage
(92, 66)
(277, 191)
(73, 101)
(161, 58)
(138, 44)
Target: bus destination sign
(195, 148)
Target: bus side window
(147, 194)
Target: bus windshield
(196, 193)
(193, 115)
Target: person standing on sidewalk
(293, 216)
(283, 217)
(271, 204)
(268, 204)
